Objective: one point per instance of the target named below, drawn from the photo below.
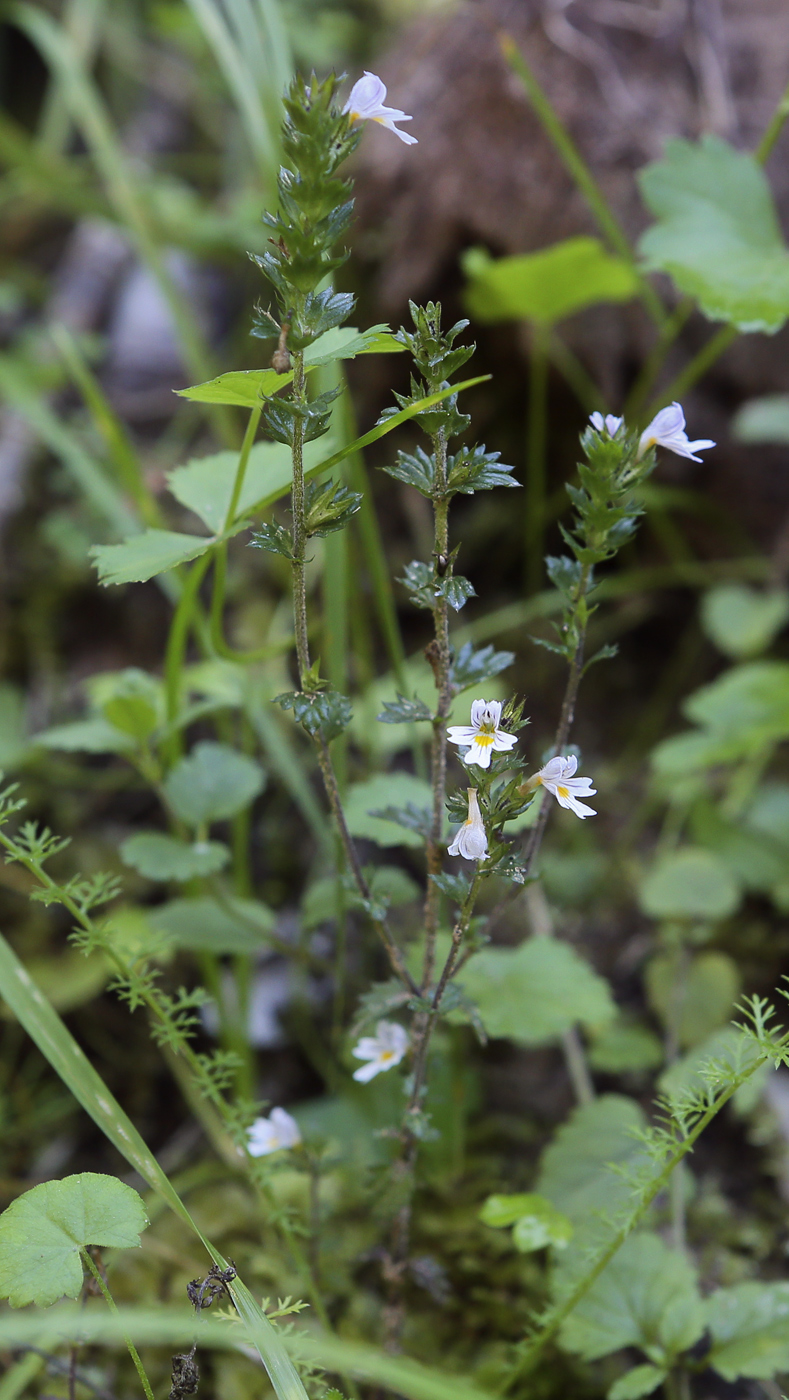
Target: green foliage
(532, 994)
(161, 857)
(324, 713)
(646, 1298)
(202, 924)
(749, 1325)
(689, 884)
(724, 1052)
(329, 506)
(134, 705)
(739, 715)
(743, 621)
(95, 735)
(470, 667)
(402, 711)
(642, 1380)
(146, 555)
(537, 1223)
(623, 1046)
(718, 234)
(764, 419)
(386, 791)
(548, 285)
(212, 783)
(43, 1231)
(694, 998)
(584, 1169)
(205, 485)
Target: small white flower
(366, 104)
(470, 840)
(270, 1134)
(483, 734)
(383, 1050)
(667, 429)
(557, 777)
(609, 423)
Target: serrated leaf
(325, 713)
(645, 1297)
(548, 285)
(42, 1232)
(95, 735)
(205, 485)
(532, 994)
(213, 783)
(242, 388)
(457, 591)
(161, 857)
(690, 883)
(385, 790)
(742, 621)
(455, 886)
(402, 711)
(235, 926)
(575, 1171)
(642, 1380)
(144, 556)
(345, 343)
(470, 667)
(750, 1330)
(718, 234)
(273, 537)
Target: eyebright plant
(612, 1282)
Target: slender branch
(439, 657)
(299, 525)
(333, 793)
(110, 1301)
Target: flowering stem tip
(557, 777)
(382, 1051)
(483, 735)
(366, 104)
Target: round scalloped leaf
(534, 993)
(161, 857)
(689, 884)
(212, 783)
(743, 621)
(42, 1232)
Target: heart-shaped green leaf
(42, 1232)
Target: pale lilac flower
(470, 840)
(557, 777)
(366, 104)
(273, 1133)
(383, 1050)
(609, 423)
(483, 734)
(667, 429)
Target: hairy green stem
(439, 657)
(110, 1301)
(299, 526)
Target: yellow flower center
(485, 737)
(563, 791)
(387, 1054)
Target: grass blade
(55, 1042)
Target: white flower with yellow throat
(483, 735)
